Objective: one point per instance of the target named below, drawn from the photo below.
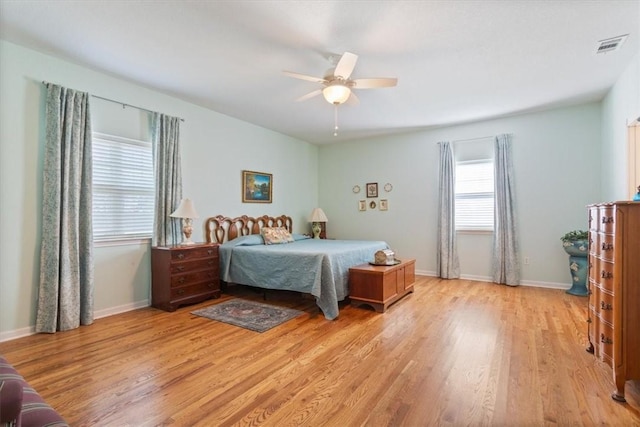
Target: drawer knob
(607, 246)
(605, 340)
(589, 320)
(607, 220)
(604, 306)
(607, 274)
(180, 256)
(181, 280)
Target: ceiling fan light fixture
(336, 93)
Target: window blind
(123, 188)
(474, 195)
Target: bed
(313, 266)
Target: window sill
(480, 232)
(122, 242)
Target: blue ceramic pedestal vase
(578, 266)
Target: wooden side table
(184, 274)
(380, 286)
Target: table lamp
(317, 216)
(187, 212)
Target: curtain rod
(474, 139)
(124, 104)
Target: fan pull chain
(335, 120)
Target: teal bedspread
(315, 266)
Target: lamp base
(316, 228)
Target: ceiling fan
(337, 85)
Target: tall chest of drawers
(614, 289)
(184, 275)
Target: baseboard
(31, 330)
(523, 282)
(121, 309)
(18, 333)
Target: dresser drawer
(194, 289)
(606, 219)
(193, 253)
(606, 275)
(194, 277)
(198, 264)
(604, 307)
(605, 246)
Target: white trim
(120, 309)
(31, 330)
(18, 333)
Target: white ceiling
(456, 61)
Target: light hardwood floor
(455, 352)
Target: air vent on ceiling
(611, 44)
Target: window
(123, 188)
(474, 195)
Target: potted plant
(576, 244)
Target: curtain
(448, 266)
(165, 134)
(65, 297)
(506, 267)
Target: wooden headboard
(220, 229)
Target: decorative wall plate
(372, 204)
(388, 187)
(356, 189)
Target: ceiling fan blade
(353, 99)
(374, 83)
(345, 66)
(304, 77)
(309, 95)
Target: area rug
(248, 314)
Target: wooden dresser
(380, 286)
(184, 275)
(614, 289)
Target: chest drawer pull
(604, 306)
(607, 274)
(180, 268)
(607, 246)
(180, 291)
(210, 263)
(607, 220)
(210, 252)
(181, 280)
(605, 339)
(180, 256)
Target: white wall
(557, 171)
(620, 107)
(215, 149)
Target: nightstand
(184, 274)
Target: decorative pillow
(275, 235)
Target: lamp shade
(317, 215)
(185, 210)
(336, 93)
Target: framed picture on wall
(372, 189)
(362, 205)
(257, 187)
(384, 204)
